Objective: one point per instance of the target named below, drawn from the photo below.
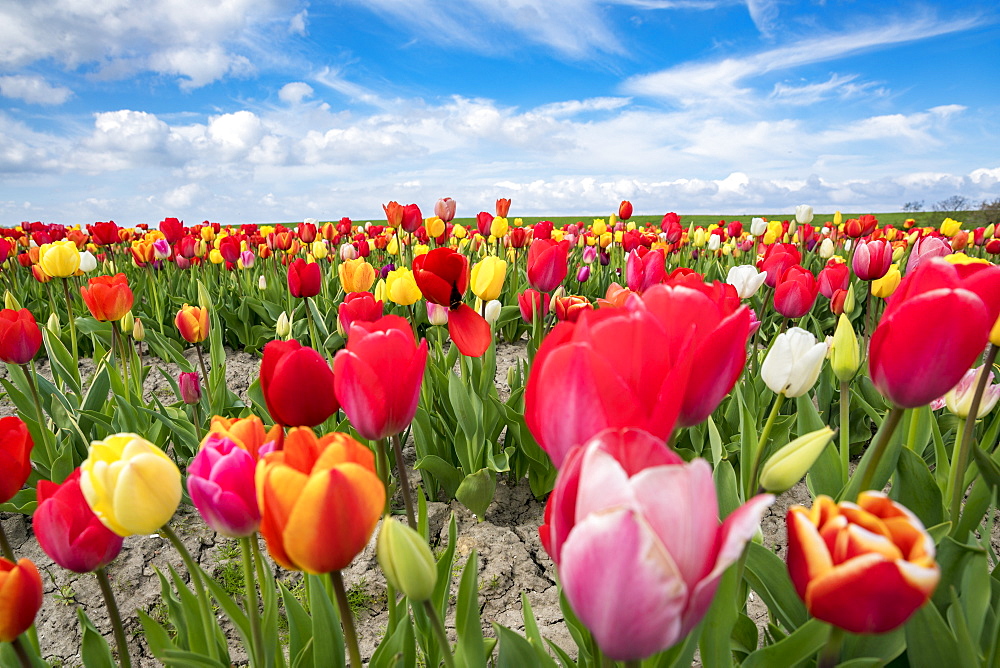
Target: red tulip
(795, 295)
(864, 567)
(621, 367)
(643, 272)
(20, 337)
(502, 208)
(307, 232)
(443, 277)
(297, 384)
(378, 376)
(69, 531)
(20, 597)
(358, 307)
(860, 227)
(872, 259)
(625, 210)
(834, 276)
(229, 248)
(15, 456)
(412, 218)
(721, 329)
(547, 263)
(777, 259)
(172, 229)
(304, 278)
(104, 234)
(532, 303)
(935, 325)
(484, 219)
(108, 297)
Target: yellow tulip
(207, 233)
(949, 226)
(421, 249)
(379, 292)
(356, 275)
(599, 227)
(59, 259)
(499, 227)
(434, 227)
(838, 218)
(487, 277)
(392, 248)
(130, 484)
(401, 287)
(885, 286)
(458, 232)
(318, 249)
(215, 256)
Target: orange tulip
(248, 433)
(108, 297)
(20, 597)
(192, 322)
(320, 500)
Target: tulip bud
(128, 322)
(138, 331)
(838, 218)
(10, 301)
(758, 226)
(959, 398)
(789, 464)
(803, 214)
(406, 560)
(53, 325)
(845, 354)
(826, 248)
(492, 311)
(190, 387)
(283, 327)
(437, 314)
(88, 262)
(262, 283)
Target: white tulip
(88, 262)
(803, 214)
(746, 279)
(793, 363)
(758, 226)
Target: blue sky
(276, 110)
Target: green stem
(258, 558)
(5, 548)
(199, 586)
(312, 326)
(384, 470)
(201, 363)
(253, 609)
(29, 376)
(829, 656)
(404, 482)
(765, 434)
(960, 461)
(346, 619)
(633, 663)
(72, 320)
(439, 633)
(880, 445)
(845, 430)
(124, 660)
(197, 421)
(22, 654)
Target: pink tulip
(924, 249)
(643, 272)
(221, 484)
(636, 536)
(872, 259)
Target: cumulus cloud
(295, 92)
(33, 90)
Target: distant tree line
(960, 208)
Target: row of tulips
(645, 408)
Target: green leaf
(516, 651)
(476, 491)
(468, 627)
(801, 645)
(929, 641)
(448, 476)
(299, 628)
(914, 487)
(768, 576)
(714, 641)
(93, 647)
(327, 636)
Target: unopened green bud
(406, 560)
(10, 301)
(128, 322)
(53, 324)
(850, 301)
(283, 327)
(138, 331)
(845, 353)
(789, 464)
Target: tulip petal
(469, 330)
(808, 555)
(278, 490)
(144, 500)
(622, 585)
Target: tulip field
(316, 394)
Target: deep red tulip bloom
(547, 263)
(412, 218)
(935, 325)
(670, 220)
(304, 278)
(612, 368)
(229, 247)
(542, 229)
(108, 297)
(15, 456)
(443, 277)
(378, 376)
(484, 219)
(872, 259)
(518, 237)
(796, 293)
(307, 232)
(20, 337)
(718, 349)
(777, 259)
(358, 307)
(625, 210)
(834, 276)
(104, 234)
(172, 229)
(297, 384)
(69, 531)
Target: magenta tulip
(221, 484)
(378, 376)
(872, 259)
(643, 272)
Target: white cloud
(295, 92)
(33, 90)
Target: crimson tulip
(795, 295)
(304, 278)
(358, 307)
(69, 531)
(618, 367)
(442, 275)
(20, 337)
(15, 456)
(777, 259)
(547, 263)
(935, 325)
(636, 537)
(378, 376)
(20, 597)
(172, 229)
(412, 218)
(865, 566)
(483, 221)
(834, 276)
(533, 304)
(872, 259)
(297, 384)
